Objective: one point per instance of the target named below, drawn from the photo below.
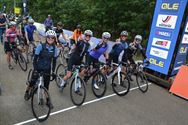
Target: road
(156, 107)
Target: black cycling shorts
(8, 46)
(73, 60)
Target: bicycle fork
(119, 70)
(40, 93)
(77, 81)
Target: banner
(164, 32)
(182, 51)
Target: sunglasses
(106, 38)
(123, 36)
(50, 37)
(87, 35)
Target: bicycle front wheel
(22, 62)
(99, 85)
(78, 91)
(142, 81)
(121, 84)
(40, 109)
(60, 73)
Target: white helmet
(88, 32)
(124, 33)
(31, 21)
(106, 35)
(51, 33)
(12, 23)
(138, 38)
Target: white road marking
(73, 107)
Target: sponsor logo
(185, 39)
(186, 28)
(183, 50)
(163, 33)
(156, 62)
(166, 21)
(170, 6)
(161, 43)
(159, 53)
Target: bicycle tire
(40, 117)
(101, 84)
(124, 89)
(60, 75)
(73, 92)
(141, 76)
(21, 60)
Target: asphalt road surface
(156, 107)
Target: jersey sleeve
(38, 49)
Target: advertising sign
(182, 51)
(164, 33)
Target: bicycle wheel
(40, 109)
(60, 73)
(78, 91)
(22, 62)
(99, 85)
(142, 81)
(121, 87)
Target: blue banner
(182, 51)
(164, 32)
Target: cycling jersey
(2, 20)
(118, 48)
(76, 35)
(98, 51)
(48, 22)
(11, 35)
(30, 31)
(46, 53)
(58, 32)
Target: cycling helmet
(31, 21)
(60, 24)
(106, 35)
(88, 32)
(51, 33)
(78, 26)
(138, 38)
(124, 33)
(12, 23)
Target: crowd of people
(45, 54)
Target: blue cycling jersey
(99, 51)
(30, 31)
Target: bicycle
(63, 53)
(98, 79)
(120, 80)
(141, 78)
(77, 87)
(17, 56)
(39, 105)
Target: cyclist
(2, 26)
(100, 49)
(45, 56)
(11, 35)
(118, 47)
(29, 32)
(77, 34)
(59, 31)
(48, 23)
(131, 51)
(80, 49)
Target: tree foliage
(113, 16)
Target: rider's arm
(37, 52)
(54, 60)
(26, 35)
(64, 37)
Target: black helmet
(78, 26)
